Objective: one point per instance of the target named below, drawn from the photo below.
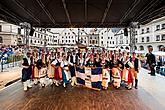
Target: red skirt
(130, 76)
(58, 73)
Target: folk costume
(65, 72)
(128, 74)
(73, 59)
(27, 72)
(57, 70)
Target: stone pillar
(133, 25)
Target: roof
(81, 13)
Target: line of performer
(59, 67)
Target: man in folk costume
(73, 59)
(137, 65)
(27, 71)
(57, 70)
(128, 73)
(65, 71)
(35, 71)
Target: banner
(89, 77)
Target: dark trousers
(152, 69)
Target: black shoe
(149, 73)
(136, 87)
(153, 75)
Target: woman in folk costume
(116, 73)
(27, 71)
(35, 71)
(57, 70)
(90, 61)
(65, 71)
(105, 77)
(50, 69)
(128, 73)
(43, 70)
(98, 60)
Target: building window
(35, 41)
(163, 37)
(157, 27)
(69, 41)
(142, 31)
(110, 42)
(62, 37)
(148, 30)
(102, 37)
(84, 41)
(35, 34)
(148, 39)
(141, 47)
(65, 33)
(62, 41)
(1, 39)
(66, 41)
(38, 35)
(108, 37)
(38, 41)
(68, 33)
(136, 40)
(0, 28)
(102, 42)
(73, 41)
(142, 39)
(31, 41)
(41, 36)
(69, 37)
(113, 42)
(111, 37)
(19, 30)
(135, 32)
(163, 26)
(66, 37)
(102, 33)
(157, 37)
(55, 40)
(72, 37)
(41, 42)
(126, 41)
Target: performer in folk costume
(35, 71)
(116, 75)
(65, 71)
(137, 65)
(105, 77)
(81, 60)
(27, 71)
(50, 69)
(128, 73)
(57, 70)
(43, 69)
(72, 59)
(98, 60)
(90, 61)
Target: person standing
(27, 71)
(151, 60)
(137, 65)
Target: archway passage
(161, 47)
(81, 13)
(141, 47)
